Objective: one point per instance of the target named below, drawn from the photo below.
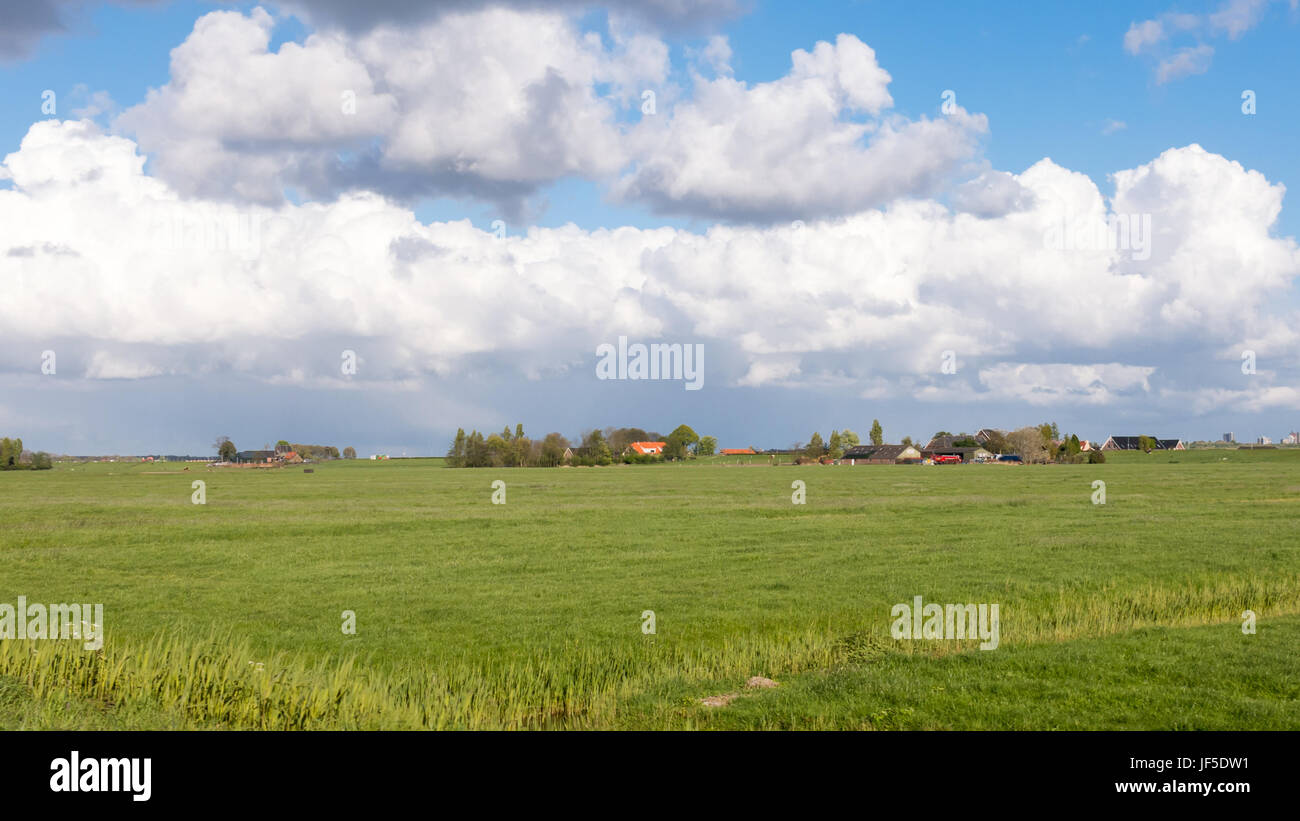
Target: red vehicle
(947, 459)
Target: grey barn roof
(875, 451)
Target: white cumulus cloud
(174, 285)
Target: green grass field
(529, 614)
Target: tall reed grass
(221, 682)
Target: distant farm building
(985, 434)
(1135, 443)
(964, 453)
(1122, 443)
(246, 456)
(881, 455)
(737, 451)
(647, 448)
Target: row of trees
(685, 443)
(593, 447)
(14, 457)
(505, 449)
(840, 441)
(319, 452)
(227, 451)
(1035, 444)
(1041, 444)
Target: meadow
(529, 614)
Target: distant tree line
(1043, 444)
(317, 452)
(227, 451)
(14, 457)
(592, 448)
(834, 447)
(1036, 444)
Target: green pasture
(528, 614)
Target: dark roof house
(1134, 443)
(880, 454)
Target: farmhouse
(1135, 443)
(245, 456)
(737, 451)
(647, 448)
(881, 455)
(858, 454)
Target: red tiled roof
(648, 447)
(736, 451)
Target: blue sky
(1098, 90)
(1049, 77)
